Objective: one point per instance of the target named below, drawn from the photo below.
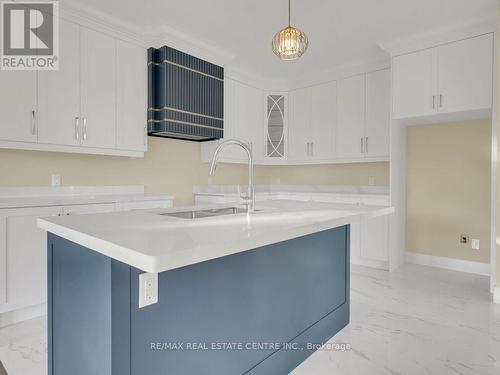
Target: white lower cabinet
(374, 242)
(23, 253)
(23, 257)
(369, 242)
(79, 209)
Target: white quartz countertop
(276, 189)
(81, 199)
(74, 195)
(152, 242)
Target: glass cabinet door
(275, 142)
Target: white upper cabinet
(378, 118)
(466, 74)
(276, 106)
(413, 84)
(344, 121)
(59, 92)
(351, 120)
(299, 134)
(98, 95)
(131, 96)
(18, 107)
(323, 120)
(313, 117)
(248, 119)
(95, 103)
(451, 78)
(243, 120)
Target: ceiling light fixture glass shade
(290, 43)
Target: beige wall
(448, 189)
(170, 166)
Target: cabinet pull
(312, 148)
(440, 100)
(366, 144)
(145, 135)
(362, 145)
(84, 135)
(433, 101)
(33, 122)
(77, 128)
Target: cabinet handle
(84, 135)
(312, 148)
(366, 144)
(33, 122)
(433, 101)
(77, 128)
(145, 135)
(362, 145)
(440, 100)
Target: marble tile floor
(417, 320)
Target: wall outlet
(464, 238)
(148, 289)
(371, 181)
(475, 244)
(56, 180)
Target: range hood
(185, 96)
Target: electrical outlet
(148, 289)
(475, 244)
(464, 238)
(56, 180)
(371, 181)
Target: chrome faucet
(250, 198)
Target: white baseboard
(378, 264)
(17, 316)
(496, 295)
(448, 263)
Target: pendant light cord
(289, 7)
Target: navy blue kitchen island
(261, 311)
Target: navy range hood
(185, 96)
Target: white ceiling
(339, 31)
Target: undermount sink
(198, 214)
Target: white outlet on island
(148, 289)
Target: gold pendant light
(290, 43)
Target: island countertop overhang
(152, 242)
